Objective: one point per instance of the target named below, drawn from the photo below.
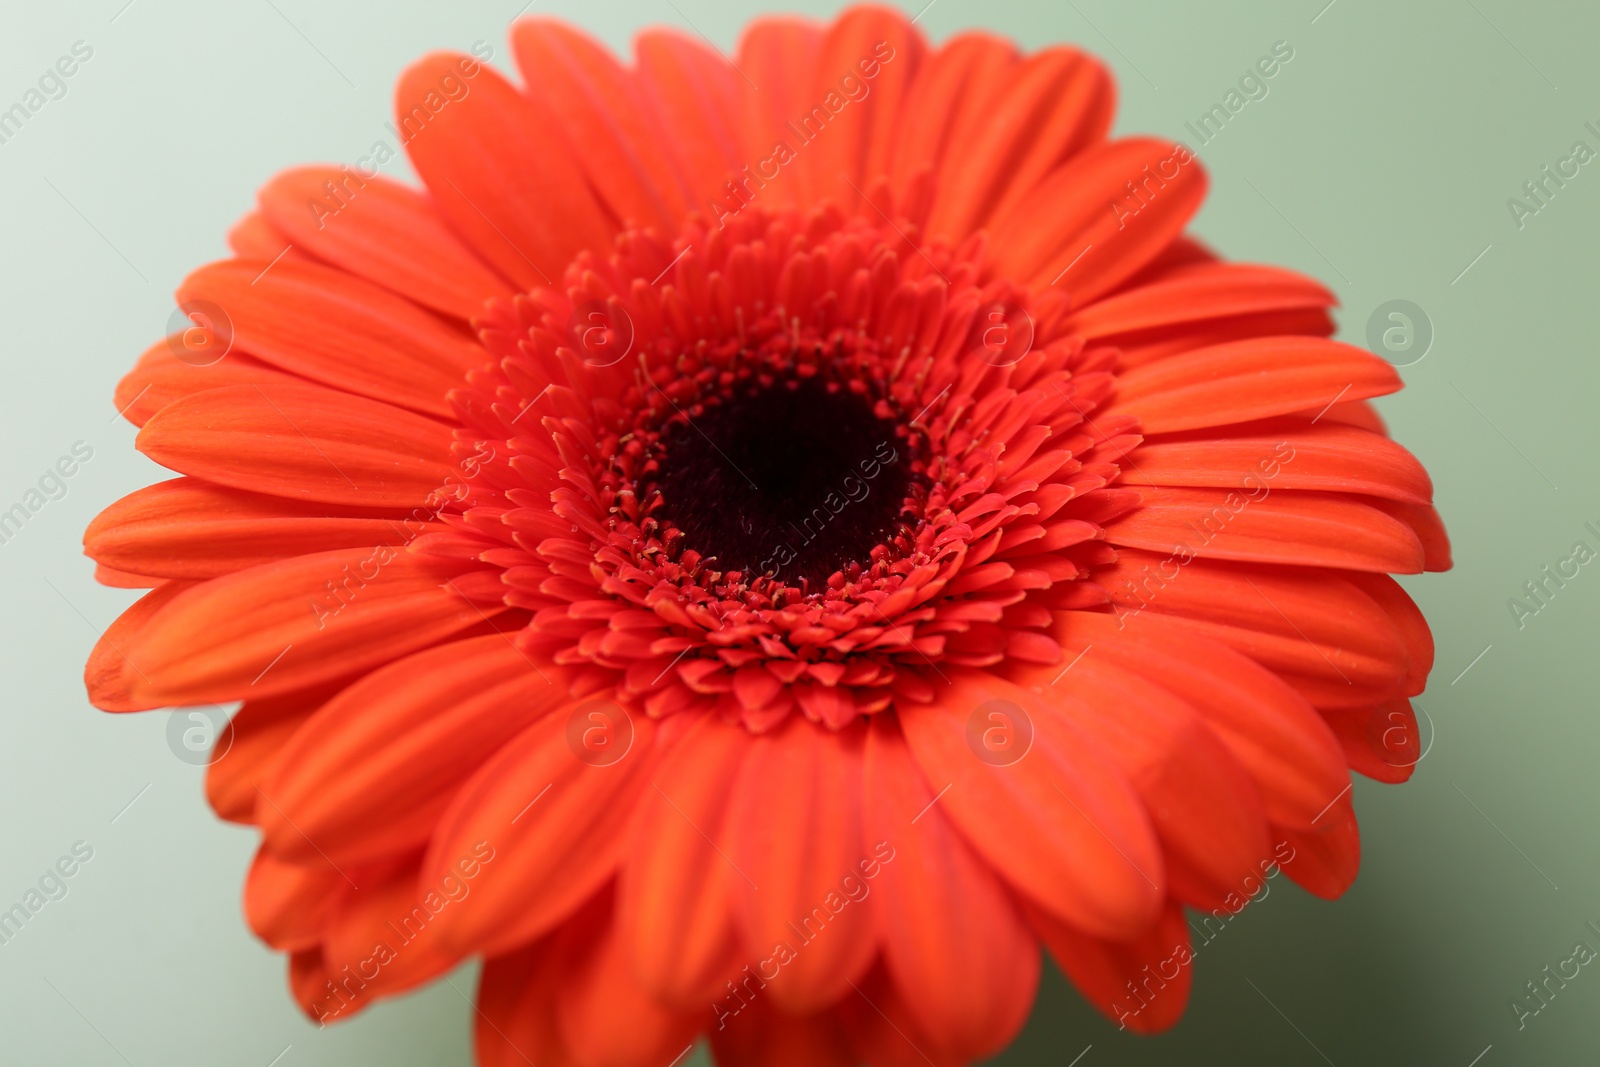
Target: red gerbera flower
(757, 562)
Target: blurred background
(1381, 159)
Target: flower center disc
(792, 479)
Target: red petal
(115, 579)
(1358, 413)
(1142, 985)
(771, 50)
(757, 1034)
(382, 936)
(882, 1030)
(253, 237)
(1204, 808)
(1381, 742)
(1407, 618)
(515, 1021)
(853, 148)
(696, 95)
(1298, 621)
(945, 111)
(309, 983)
(1425, 522)
(1199, 293)
(1325, 861)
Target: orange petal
(795, 831)
(954, 944)
(274, 628)
(1255, 524)
(606, 1017)
(599, 106)
(697, 96)
(261, 729)
(675, 892)
(1288, 455)
(334, 328)
(555, 821)
(161, 376)
(382, 231)
(1274, 733)
(1061, 823)
(1083, 228)
(286, 904)
(501, 172)
(111, 674)
(303, 442)
(372, 771)
(1245, 380)
(187, 528)
(1051, 106)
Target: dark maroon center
(792, 480)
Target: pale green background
(1387, 147)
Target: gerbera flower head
(757, 546)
